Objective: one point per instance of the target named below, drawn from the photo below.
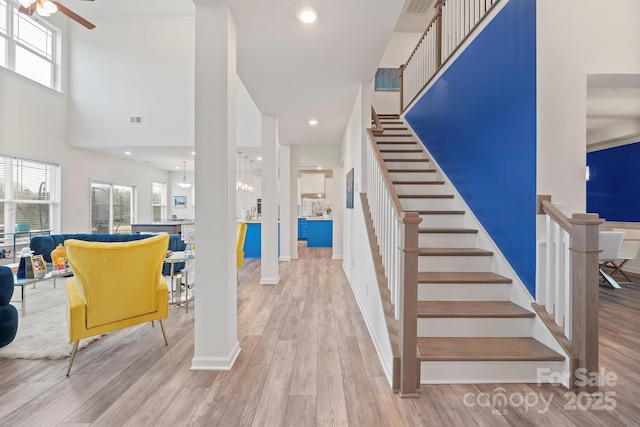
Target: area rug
(43, 332)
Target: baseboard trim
(270, 280)
(284, 258)
(216, 363)
(337, 257)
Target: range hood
(312, 196)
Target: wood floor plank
(331, 403)
(301, 412)
(274, 397)
(361, 406)
(304, 381)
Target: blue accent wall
(613, 189)
(479, 123)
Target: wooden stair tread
(396, 142)
(485, 348)
(425, 196)
(407, 160)
(457, 309)
(447, 230)
(454, 252)
(411, 170)
(461, 277)
(439, 212)
(418, 182)
(397, 150)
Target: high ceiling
(299, 72)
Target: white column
(284, 162)
(269, 245)
(340, 192)
(293, 200)
(216, 335)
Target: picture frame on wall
(350, 189)
(179, 202)
(387, 80)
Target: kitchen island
(319, 232)
(253, 239)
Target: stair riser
(401, 155)
(454, 263)
(393, 138)
(413, 176)
(441, 220)
(412, 146)
(419, 188)
(407, 165)
(426, 204)
(485, 372)
(394, 132)
(447, 240)
(474, 327)
(463, 291)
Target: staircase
(469, 330)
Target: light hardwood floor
(306, 360)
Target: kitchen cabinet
(320, 233)
(302, 229)
(312, 183)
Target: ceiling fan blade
(79, 19)
(28, 10)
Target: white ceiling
(298, 72)
(293, 71)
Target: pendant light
(184, 183)
(251, 189)
(238, 176)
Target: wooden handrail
(556, 215)
(376, 121)
(385, 174)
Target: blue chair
(8, 313)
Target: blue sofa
(45, 244)
(8, 313)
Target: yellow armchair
(115, 285)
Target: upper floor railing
(453, 22)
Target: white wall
(397, 52)
(601, 38)
(33, 124)
(358, 261)
(133, 66)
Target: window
(159, 201)
(28, 195)
(112, 208)
(28, 45)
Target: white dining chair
(610, 244)
(629, 250)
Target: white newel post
(216, 335)
(269, 245)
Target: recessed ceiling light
(259, 158)
(319, 168)
(128, 153)
(313, 122)
(193, 153)
(307, 15)
(178, 167)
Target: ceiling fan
(48, 7)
